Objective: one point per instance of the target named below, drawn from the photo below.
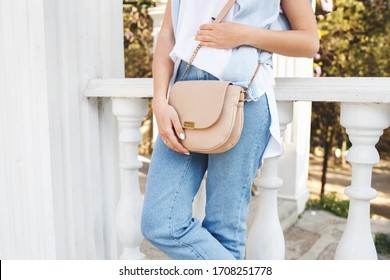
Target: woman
(231, 50)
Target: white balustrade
(364, 112)
(129, 112)
(365, 124)
(266, 239)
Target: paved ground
(315, 234)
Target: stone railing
(365, 113)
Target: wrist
(159, 102)
(250, 35)
(245, 36)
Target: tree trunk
(344, 149)
(327, 149)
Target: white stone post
(266, 239)
(130, 113)
(365, 124)
(295, 161)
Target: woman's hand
(169, 126)
(224, 35)
(166, 115)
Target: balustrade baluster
(129, 112)
(266, 239)
(365, 124)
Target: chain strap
(191, 60)
(251, 81)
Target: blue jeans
(174, 179)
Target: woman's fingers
(204, 32)
(179, 132)
(209, 44)
(172, 142)
(204, 35)
(175, 145)
(204, 38)
(169, 134)
(206, 26)
(177, 126)
(226, 35)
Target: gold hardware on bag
(190, 125)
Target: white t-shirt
(193, 14)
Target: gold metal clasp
(189, 125)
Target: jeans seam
(181, 184)
(243, 188)
(243, 192)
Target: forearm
(301, 40)
(162, 69)
(162, 63)
(297, 43)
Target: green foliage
(355, 39)
(382, 243)
(331, 203)
(138, 44)
(354, 43)
(138, 39)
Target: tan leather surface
(235, 134)
(216, 110)
(200, 102)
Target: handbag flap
(198, 103)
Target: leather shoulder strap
(225, 10)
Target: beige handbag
(211, 112)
